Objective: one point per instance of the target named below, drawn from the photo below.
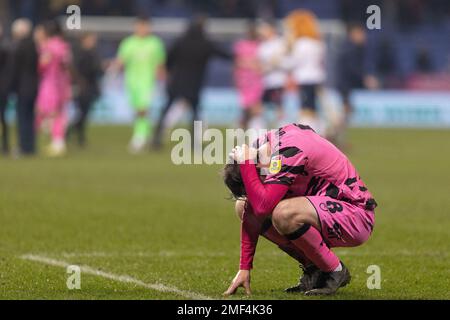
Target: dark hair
(196, 27)
(52, 28)
(233, 180)
(143, 19)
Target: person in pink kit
(300, 192)
(54, 86)
(248, 79)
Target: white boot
(57, 148)
(137, 144)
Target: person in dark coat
(353, 74)
(4, 90)
(351, 64)
(187, 61)
(88, 72)
(24, 83)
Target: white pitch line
(120, 278)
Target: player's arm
(117, 64)
(250, 230)
(161, 59)
(262, 197)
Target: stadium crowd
(42, 70)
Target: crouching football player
(300, 192)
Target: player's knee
(239, 207)
(281, 211)
(290, 214)
(281, 216)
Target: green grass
(144, 217)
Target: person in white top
(271, 53)
(306, 62)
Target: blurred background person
(24, 71)
(4, 91)
(54, 86)
(186, 64)
(307, 63)
(88, 72)
(271, 53)
(39, 35)
(142, 55)
(352, 72)
(247, 78)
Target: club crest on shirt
(275, 165)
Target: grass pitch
(171, 226)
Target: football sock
(270, 233)
(141, 127)
(59, 124)
(310, 241)
(174, 115)
(338, 268)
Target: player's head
(232, 174)
(233, 180)
(142, 27)
(356, 33)
(88, 40)
(267, 29)
(301, 23)
(21, 28)
(196, 28)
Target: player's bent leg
(342, 224)
(298, 220)
(291, 214)
(310, 274)
(270, 233)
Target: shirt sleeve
(160, 52)
(250, 229)
(263, 198)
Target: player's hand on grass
(242, 279)
(240, 154)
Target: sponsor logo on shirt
(275, 165)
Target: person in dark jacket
(88, 72)
(351, 64)
(186, 64)
(4, 90)
(353, 74)
(24, 83)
